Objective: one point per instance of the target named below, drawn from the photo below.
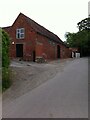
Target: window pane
(20, 33)
(22, 36)
(17, 30)
(22, 30)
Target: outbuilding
(31, 41)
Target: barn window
(20, 33)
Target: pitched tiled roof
(40, 29)
(43, 31)
(6, 28)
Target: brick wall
(34, 44)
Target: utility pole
(89, 9)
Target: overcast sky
(58, 16)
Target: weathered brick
(34, 44)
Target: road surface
(64, 96)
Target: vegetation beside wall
(5, 61)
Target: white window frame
(20, 33)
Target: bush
(5, 61)
(5, 78)
(5, 49)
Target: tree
(84, 24)
(81, 39)
(71, 39)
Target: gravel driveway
(28, 75)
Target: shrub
(5, 78)
(5, 49)
(5, 61)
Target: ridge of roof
(42, 30)
(7, 28)
(39, 29)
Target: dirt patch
(26, 76)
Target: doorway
(19, 50)
(34, 56)
(58, 51)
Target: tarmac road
(64, 96)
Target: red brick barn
(31, 41)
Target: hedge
(5, 61)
